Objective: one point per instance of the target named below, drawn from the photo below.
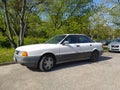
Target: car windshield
(117, 40)
(56, 39)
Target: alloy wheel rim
(48, 63)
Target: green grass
(6, 55)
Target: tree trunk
(8, 26)
(22, 23)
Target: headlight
(24, 54)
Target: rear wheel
(94, 56)
(46, 63)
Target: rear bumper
(27, 61)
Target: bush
(4, 42)
(6, 55)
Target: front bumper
(30, 61)
(114, 49)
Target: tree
(114, 12)
(61, 16)
(60, 10)
(112, 8)
(16, 18)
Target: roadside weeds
(7, 63)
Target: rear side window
(84, 39)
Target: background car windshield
(56, 39)
(117, 40)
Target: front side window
(72, 39)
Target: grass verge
(6, 55)
(105, 48)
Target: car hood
(112, 43)
(36, 47)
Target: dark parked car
(106, 42)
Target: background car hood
(36, 47)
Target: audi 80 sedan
(59, 49)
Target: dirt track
(82, 75)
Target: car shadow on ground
(74, 64)
(115, 52)
(78, 63)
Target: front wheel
(46, 63)
(94, 56)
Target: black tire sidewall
(93, 58)
(41, 63)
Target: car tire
(94, 56)
(46, 63)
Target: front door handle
(77, 45)
(90, 44)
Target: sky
(96, 1)
(108, 4)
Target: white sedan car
(59, 49)
(114, 46)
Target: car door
(84, 47)
(68, 51)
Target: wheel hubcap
(95, 55)
(48, 63)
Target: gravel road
(82, 75)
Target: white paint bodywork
(40, 49)
(57, 49)
(62, 52)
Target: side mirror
(65, 42)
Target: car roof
(74, 34)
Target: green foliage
(114, 12)
(34, 40)
(6, 55)
(4, 42)
(62, 16)
(116, 33)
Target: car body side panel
(72, 52)
(72, 57)
(67, 52)
(85, 49)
